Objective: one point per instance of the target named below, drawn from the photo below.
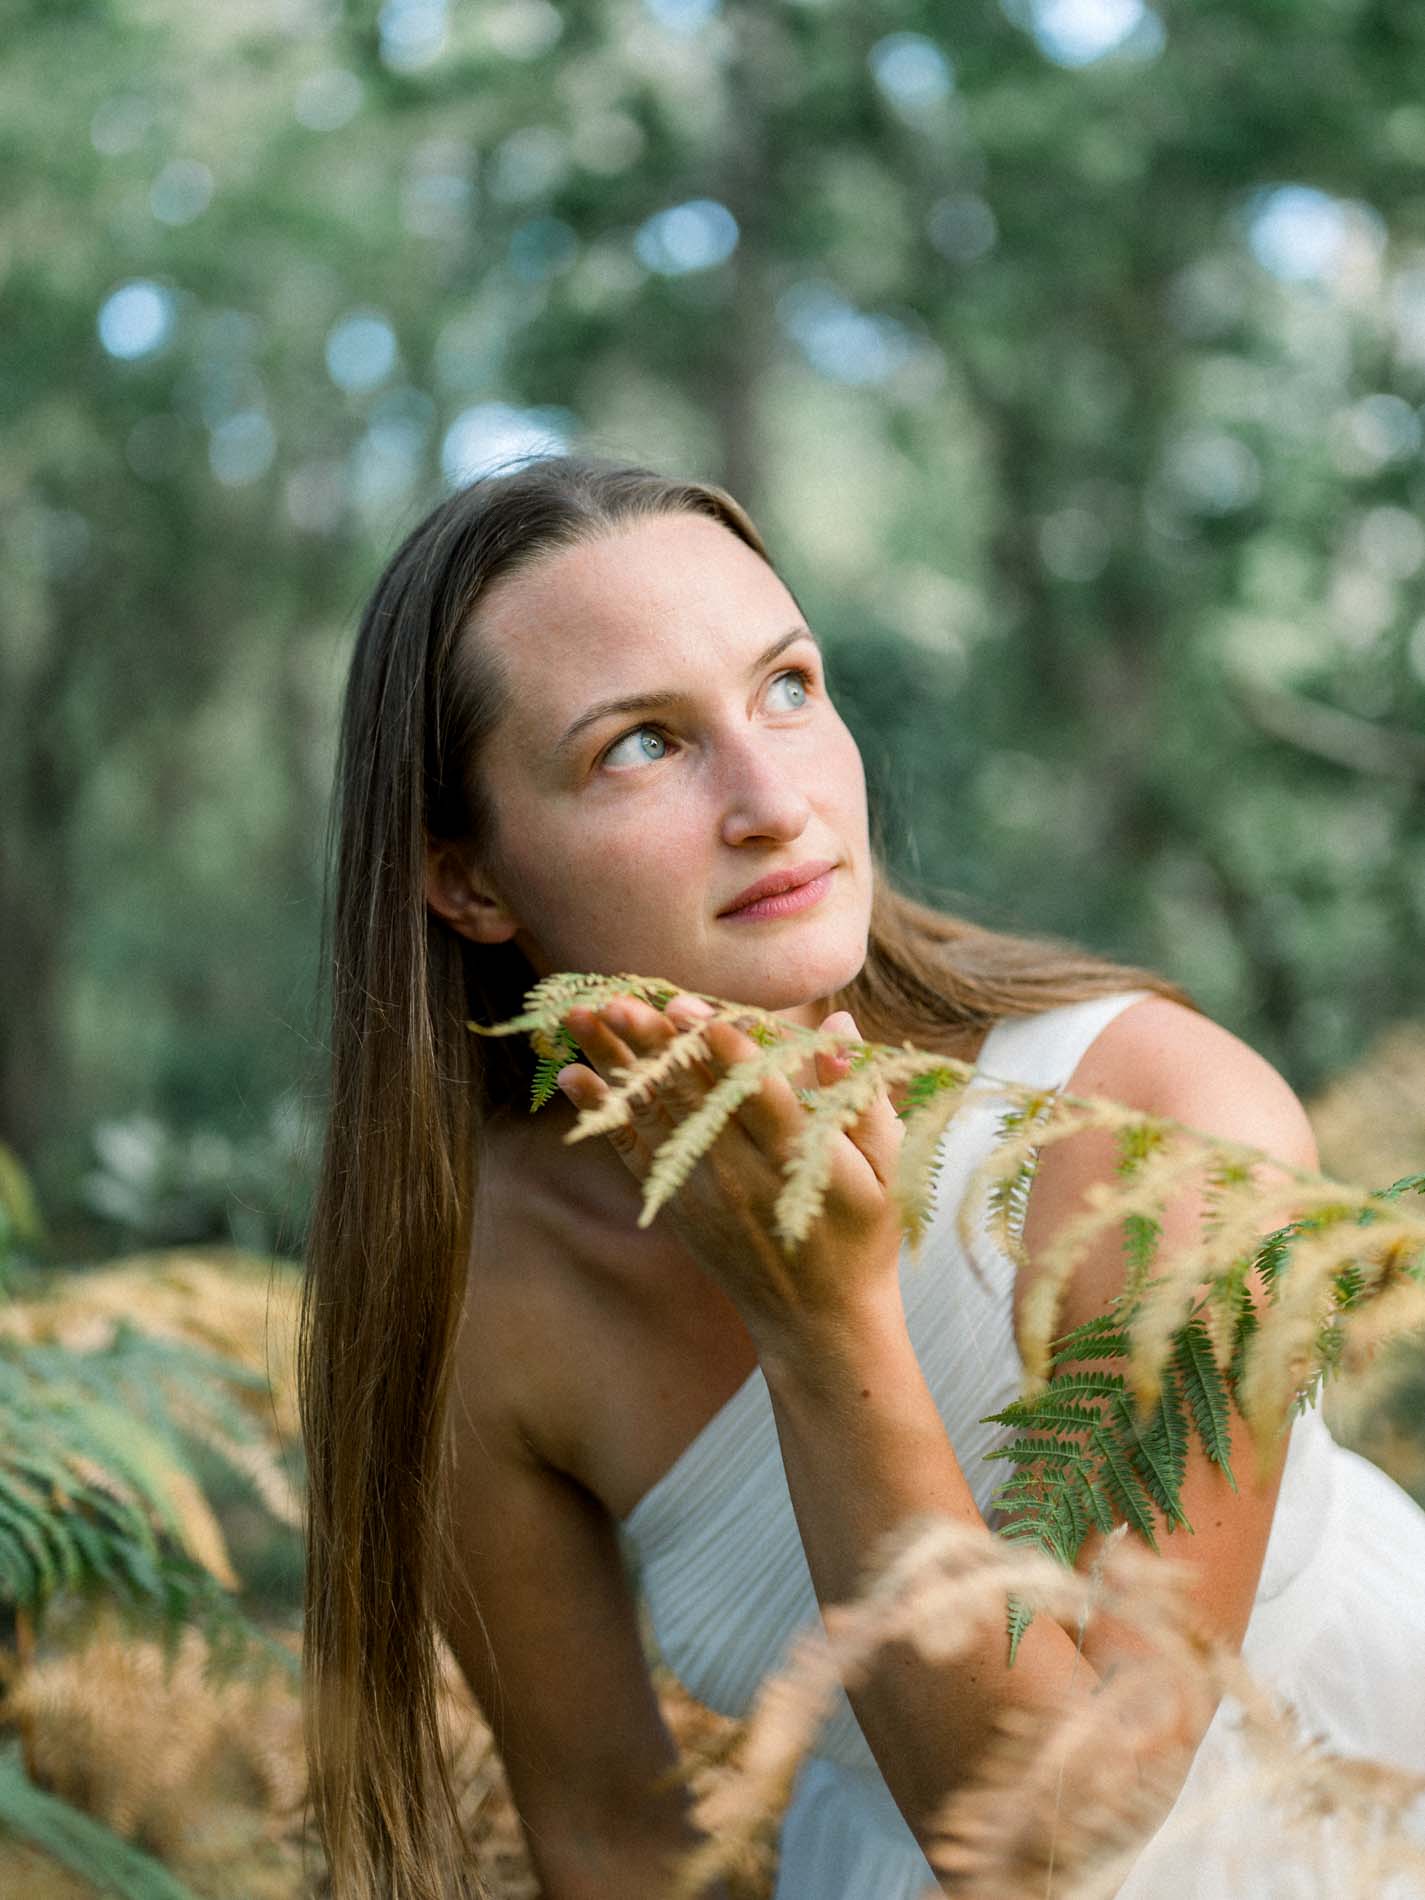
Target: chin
(791, 975)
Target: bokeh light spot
(182, 191)
(522, 29)
(841, 341)
(328, 99)
(120, 124)
(136, 319)
(1078, 33)
(493, 433)
(413, 33)
(361, 351)
(530, 162)
(962, 228)
(241, 448)
(912, 71)
(682, 16)
(688, 237)
(541, 248)
(1297, 233)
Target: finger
(586, 1090)
(878, 1131)
(773, 1116)
(833, 1066)
(612, 1057)
(682, 1081)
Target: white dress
(1338, 1625)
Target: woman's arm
(862, 1441)
(541, 1620)
(864, 1446)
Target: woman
(587, 728)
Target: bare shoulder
(1161, 1058)
(1166, 1059)
(517, 1285)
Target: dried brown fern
(221, 1300)
(1066, 1798)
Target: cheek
(845, 773)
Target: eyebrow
(650, 702)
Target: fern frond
(690, 1140)
(832, 1109)
(809, 1166)
(1205, 1394)
(110, 1864)
(933, 1099)
(1156, 1454)
(1337, 1264)
(561, 1052)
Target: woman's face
(626, 833)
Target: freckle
(865, 1392)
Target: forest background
(1070, 354)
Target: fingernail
(690, 1006)
(564, 1083)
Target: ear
(457, 892)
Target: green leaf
(77, 1841)
(1019, 1616)
(1103, 1337)
(546, 1068)
(1122, 1481)
(1031, 1446)
(1152, 1457)
(30, 1529)
(1205, 1393)
(1141, 1235)
(1050, 1408)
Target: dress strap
(1043, 1051)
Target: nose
(763, 798)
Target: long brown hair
(410, 1090)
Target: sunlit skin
(617, 850)
(619, 845)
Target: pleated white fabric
(1338, 1626)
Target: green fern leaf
(1096, 1505)
(1020, 1616)
(1150, 1452)
(1141, 1235)
(1033, 1446)
(1052, 1408)
(1121, 1479)
(1407, 1184)
(31, 1531)
(101, 1858)
(1245, 1327)
(1205, 1393)
(1103, 1337)
(547, 1067)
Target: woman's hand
(847, 1265)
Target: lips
(777, 882)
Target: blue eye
(646, 736)
(650, 746)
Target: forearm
(864, 1450)
(593, 1863)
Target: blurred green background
(1070, 353)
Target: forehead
(612, 616)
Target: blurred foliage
(150, 1579)
(1071, 354)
